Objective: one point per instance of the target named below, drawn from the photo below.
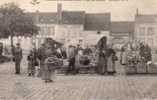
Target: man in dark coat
(17, 58)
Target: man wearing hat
(17, 58)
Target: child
(31, 63)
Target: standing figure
(41, 57)
(63, 52)
(111, 60)
(102, 56)
(79, 53)
(31, 63)
(123, 56)
(147, 53)
(71, 57)
(48, 68)
(17, 57)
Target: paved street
(79, 87)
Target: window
(150, 31)
(142, 31)
(41, 30)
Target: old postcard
(78, 49)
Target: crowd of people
(52, 55)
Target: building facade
(146, 29)
(72, 26)
(122, 32)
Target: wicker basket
(53, 63)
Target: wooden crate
(83, 69)
(130, 69)
(141, 68)
(62, 70)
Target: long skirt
(102, 65)
(110, 65)
(48, 73)
(41, 70)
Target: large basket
(54, 62)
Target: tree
(14, 22)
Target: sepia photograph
(78, 49)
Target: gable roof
(97, 21)
(44, 17)
(146, 18)
(122, 27)
(72, 17)
(93, 21)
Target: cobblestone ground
(78, 87)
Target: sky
(121, 10)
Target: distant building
(122, 32)
(146, 29)
(96, 25)
(76, 27)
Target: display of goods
(141, 68)
(83, 69)
(65, 62)
(152, 68)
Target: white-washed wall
(24, 41)
(92, 37)
(67, 33)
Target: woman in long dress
(102, 56)
(123, 56)
(111, 60)
(48, 68)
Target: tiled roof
(73, 17)
(122, 27)
(44, 17)
(146, 18)
(97, 21)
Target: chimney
(137, 12)
(59, 12)
(37, 16)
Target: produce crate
(130, 69)
(152, 69)
(63, 70)
(83, 69)
(141, 68)
(92, 70)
